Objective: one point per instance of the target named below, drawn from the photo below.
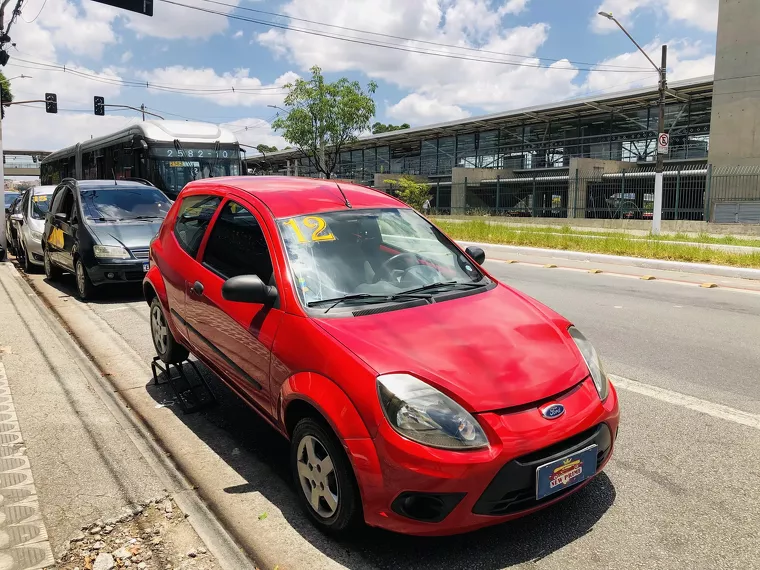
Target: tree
(410, 191)
(378, 128)
(263, 148)
(323, 117)
(7, 95)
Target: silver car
(30, 223)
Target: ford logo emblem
(552, 411)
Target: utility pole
(661, 134)
(660, 168)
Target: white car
(30, 223)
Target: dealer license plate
(565, 472)
(146, 266)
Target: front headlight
(420, 412)
(111, 251)
(593, 362)
(36, 236)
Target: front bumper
(462, 491)
(117, 271)
(34, 250)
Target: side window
(237, 245)
(194, 216)
(57, 199)
(67, 204)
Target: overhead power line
(37, 16)
(427, 42)
(396, 47)
(112, 80)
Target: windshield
(124, 204)
(40, 206)
(10, 197)
(175, 174)
(370, 253)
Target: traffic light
(4, 57)
(100, 106)
(51, 103)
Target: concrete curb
(219, 541)
(701, 268)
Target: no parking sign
(663, 143)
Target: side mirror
(17, 217)
(61, 216)
(477, 254)
(248, 289)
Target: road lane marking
(690, 402)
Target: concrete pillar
(735, 121)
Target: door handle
(198, 288)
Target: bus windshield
(173, 174)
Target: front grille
(513, 489)
(143, 253)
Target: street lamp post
(3, 244)
(663, 86)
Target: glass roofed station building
(585, 158)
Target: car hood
(137, 234)
(489, 351)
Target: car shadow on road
(104, 295)
(260, 456)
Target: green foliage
(263, 148)
(411, 192)
(378, 128)
(5, 89)
(323, 117)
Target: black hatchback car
(101, 231)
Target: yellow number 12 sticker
(319, 232)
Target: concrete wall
(735, 122)
(584, 170)
(472, 176)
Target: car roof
(43, 189)
(110, 184)
(295, 195)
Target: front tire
(26, 265)
(85, 288)
(167, 347)
(324, 478)
(52, 272)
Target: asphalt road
(681, 491)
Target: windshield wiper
(445, 284)
(102, 219)
(365, 297)
(145, 218)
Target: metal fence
(698, 193)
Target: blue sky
(192, 52)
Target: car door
(69, 226)
(58, 225)
(236, 337)
(176, 258)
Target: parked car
(11, 208)
(419, 394)
(29, 225)
(101, 231)
(9, 197)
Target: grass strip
(606, 243)
(680, 236)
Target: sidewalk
(67, 464)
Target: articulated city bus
(169, 154)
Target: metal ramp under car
(193, 394)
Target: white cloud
(254, 132)
(685, 59)
(702, 14)
(420, 110)
(126, 56)
(173, 22)
(238, 34)
(442, 84)
(240, 88)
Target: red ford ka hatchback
(419, 394)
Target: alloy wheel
(316, 474)
(159, 329)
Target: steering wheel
(385, 268)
